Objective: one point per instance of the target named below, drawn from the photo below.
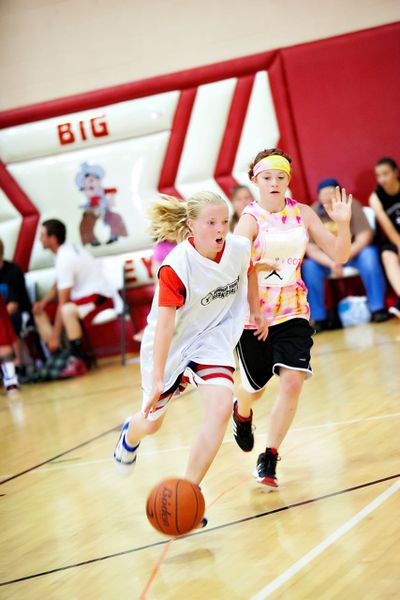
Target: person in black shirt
(15, 295)
(385, 201)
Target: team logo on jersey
(221, 292)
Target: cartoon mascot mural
(99, 201)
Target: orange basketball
(175, 506)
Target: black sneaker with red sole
(242, 430)
(265, 472)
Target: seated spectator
(81, 290)
(364, 256)
(7, 339)
(18, 304)
(241, 196)
(385, 201)
(160, 252)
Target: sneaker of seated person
(75, 367)
(12, 390)
(22, 374)
(395, 310)
(319, 326)
(378, 316)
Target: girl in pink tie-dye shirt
(278, 228)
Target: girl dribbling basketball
(196, 319)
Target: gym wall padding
(344, 98)
(333, 105)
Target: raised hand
(339, 207)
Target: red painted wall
(344, 97)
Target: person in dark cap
(364, 257)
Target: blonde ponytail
(169, 215)
(168, 219)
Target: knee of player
(257, 395)
(223, 409)
(292, 382)
(69, 310)
(153, 426)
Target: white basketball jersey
(209, 324)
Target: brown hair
(1, 250)
(386, 160)
(237, 189)
(264, 154)
(56, 228)
(235, 218)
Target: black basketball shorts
(288, 345)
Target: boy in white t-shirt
(81, 290)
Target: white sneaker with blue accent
(203, 523)
(124, 454)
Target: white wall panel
(131, 157)
(260, 128)
(10, 223)
(205, 132)
(131, 166)
(123, 120)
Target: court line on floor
(168, 546)
(34, 401)
(63, 464)
(279, 581)
(317, 353)
(205, 531)
(49, 460)
(53, 458)
(347, 422)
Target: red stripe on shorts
(216, 376)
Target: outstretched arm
(337, 247)
(162, 340)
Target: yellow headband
(274, 161)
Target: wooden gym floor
(71, 528)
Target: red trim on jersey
(217, 259)
(172, 290)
